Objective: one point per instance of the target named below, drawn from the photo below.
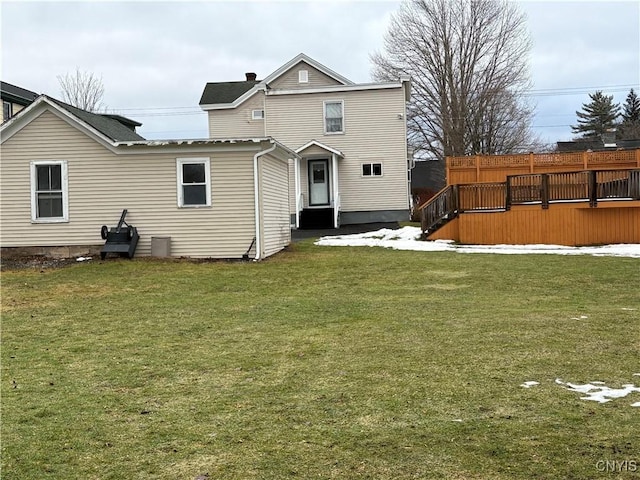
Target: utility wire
(542, 92)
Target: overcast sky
(155, 57)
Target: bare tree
(82, 89)
(468, 63)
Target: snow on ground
(529, 384)
(599, 392)
(408, 238)
(595, 391)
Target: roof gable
(232, 94)
(322, 146)
(107, 124)
(104, 128)
(302, 58)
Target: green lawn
(321, 363)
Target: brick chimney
(251, 77)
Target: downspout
(264, 110)
(256, 190)
(296, 175)
(336, 189)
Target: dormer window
(303, 76)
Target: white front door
(318, 182)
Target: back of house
(352, 139)
(66, 172)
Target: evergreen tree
(597, 116)
(629, 128)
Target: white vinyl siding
(374, 132)
(238, 122)
(102, 184)
(276, 230)
(290, 80)
(49, 191)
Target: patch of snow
(529, 384)
(637, 404)
(408, 238)
(628, 309)
(598, 391)
(457, 420)
(82, 259)
(581, 317)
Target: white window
(303, 76)
(371, 169)
(49, 191)
(334, 116)
(194, 182)
(257, 114)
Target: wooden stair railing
(439, 210)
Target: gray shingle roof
(107, 124)
(16, 94)
(225, 92)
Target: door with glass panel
(318, 182)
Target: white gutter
(256, 189)
(335, 88)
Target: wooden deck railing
(482, 196)
(495, 168)
(541, 188)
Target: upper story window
(257, 114)
(303, 76)
(371, 169)
(194, 182)
(334, 116)
(49, 191)
(7, 111)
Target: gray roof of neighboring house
(16, 94)
(116, 127)
(596, 145)
(225, 92)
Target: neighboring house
(14, 99)
(597, 145)
(351, 138)
(66, 172)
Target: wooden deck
(496, 168)
(538, 198)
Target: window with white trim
(371, 169)
(49, 191)
(334, 116)
(257, 114)
(303, 76)
(7, 111)
(194, 182)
